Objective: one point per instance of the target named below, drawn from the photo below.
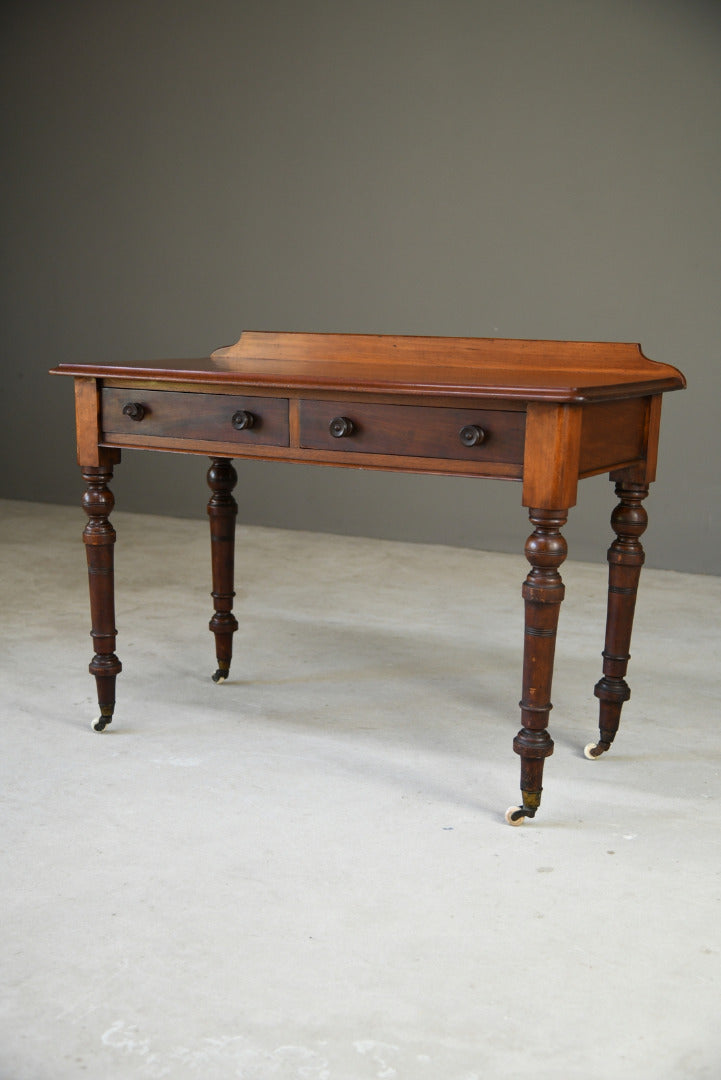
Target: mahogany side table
(545, 413)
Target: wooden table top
(560, 371)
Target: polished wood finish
(543, 592)
(412, 431)
(168, 413)
(545, 413)
(553, 453)
(625, 559)
(99, 540)
(222, 511)
(569, 371)
(612, 431)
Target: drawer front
(413, 431)
(178, 415)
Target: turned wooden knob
(242, 420)
(134, 410)
(340, 427)
(472, 435)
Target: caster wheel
(591, 751)
(219, 677)
(100, 724)
(510, 818)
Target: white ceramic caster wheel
(514, 821)
(588, 751)
(99, 725)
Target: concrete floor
(305, 873)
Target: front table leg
(543, 592)
(222, 510)
(99, 538)
(625, 559)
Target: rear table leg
(222, 510)
(625, 560)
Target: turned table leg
(625, 559)
(543, 592)
(99, 538)
(222, 510)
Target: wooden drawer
(413, 431)
(174, 414)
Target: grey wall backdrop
(178, 171)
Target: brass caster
(515, 815)
(592, 751)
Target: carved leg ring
(99, 538)
(543, 592)
(625, 560)
(222, 510)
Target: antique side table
(545, 413)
